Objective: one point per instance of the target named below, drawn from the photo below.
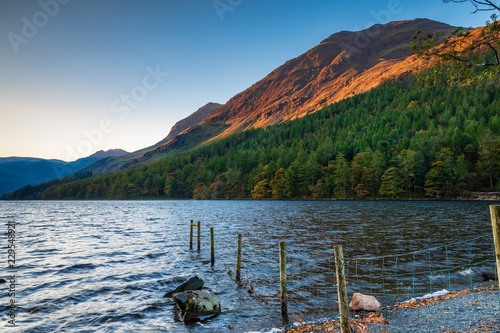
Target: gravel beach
(474, 312)
(465, 312)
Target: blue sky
(77, 76)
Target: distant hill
(16, 172)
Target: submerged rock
(201, 303)
(194, 283)
(489, 275)
(364, 302)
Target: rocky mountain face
(342, 65)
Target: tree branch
(490, 5)
(470, 63)
(495, 51)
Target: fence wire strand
(394, 279)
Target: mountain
(16, 172)
(342, 65)
(381, 136)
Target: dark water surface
(105, 266)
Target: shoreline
(494, 199)
(463, 311)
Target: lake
(105, 265)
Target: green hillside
(396, 141)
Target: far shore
(484, 198)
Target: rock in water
(201, 303)
(364, 302)
(181, 299)
(194, 283)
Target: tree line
(396, 141)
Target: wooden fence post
(283, 284)
(342, 290)
(495, 216)
(199, 235)
(238, 260)
(191, 236)
(212, 247)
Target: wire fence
(451, 267)
(397, 280)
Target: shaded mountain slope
(171, 141)
(192, 120)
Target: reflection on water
(106, 265)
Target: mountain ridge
(174, 140)
(382, 120)
(339, 66)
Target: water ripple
(105, 266)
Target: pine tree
(460, 172)
(407, 161)
(168, 187)
(341, 176)
(489, 154)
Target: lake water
(105, 266)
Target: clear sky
(77, 76)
